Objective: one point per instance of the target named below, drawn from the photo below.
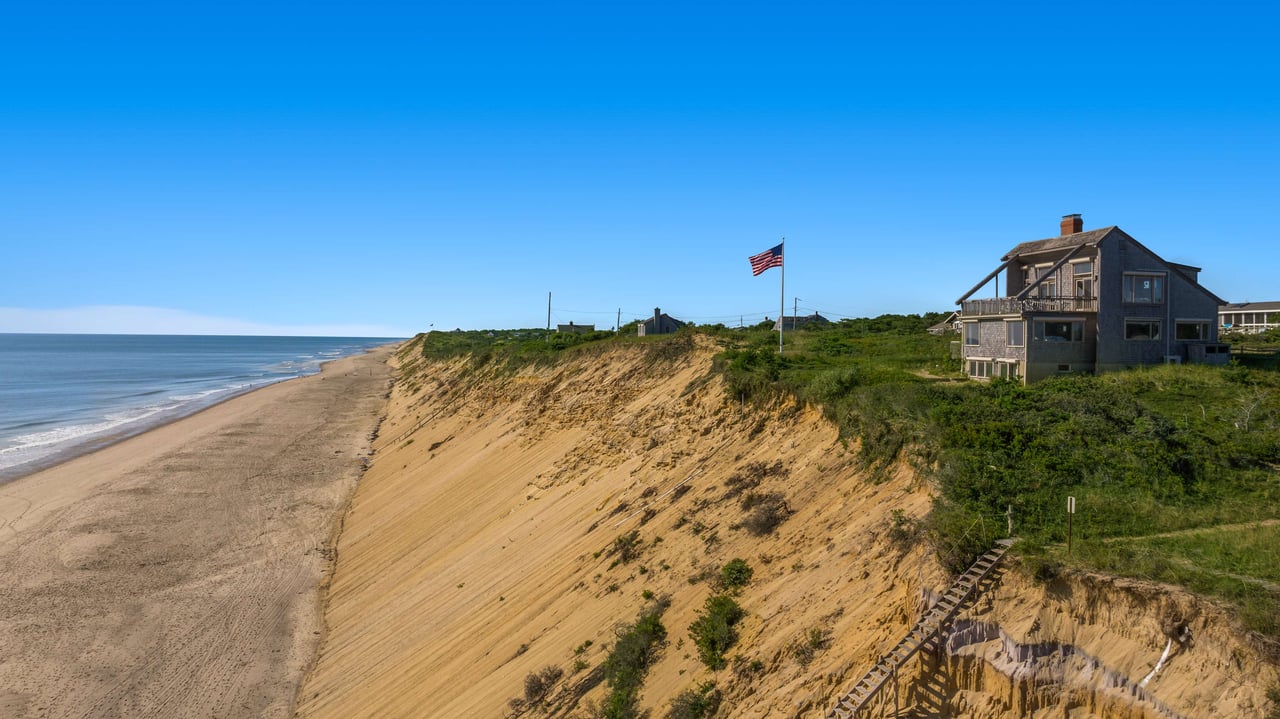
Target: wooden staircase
(929, 627)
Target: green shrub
(629, 660)
(735, 574)
(713, 632)
(700, 703)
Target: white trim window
(1007, 369)
(1082, 270)
(1015, 332)
(1144, 288)
(972, 337)
(980, 368)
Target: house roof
(664, 315)
(944, 324)
(1093, 237)
(1251, 307)
(1050, 244)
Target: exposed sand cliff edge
(475, 552)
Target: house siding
(1046, 359)
(1183, 300)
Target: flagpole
(782, 295)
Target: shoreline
(178, 572)
(92, 444)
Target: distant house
(1091, 301)
(950, 324)
(792, 322)
(659, 324)
(571, 328)
(1250, 317)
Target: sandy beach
(178, 573)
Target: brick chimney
(1072, 224)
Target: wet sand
(178, 573)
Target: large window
(1142, 329)
(971, 335)
(1083, 272)
(1014, 332)
(1192, 330)
(1058, 330)
(980, 369)
(1143, 288)
(1008, 370)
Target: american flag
(765, 260)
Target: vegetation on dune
(629, 660)
(1145, 452)
(713, 632)
(699, 703)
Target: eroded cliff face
(478, 550)
(1096, 646)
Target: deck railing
(1015, 306)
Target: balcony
(1015, 306)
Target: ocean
(62, 394)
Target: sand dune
(477, 551)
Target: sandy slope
(175, 574)
(476, 551)
(469, 555)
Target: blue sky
(383, 168)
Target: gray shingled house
(1093, 301)
(571, 328)
(659, 324)
(793, 322)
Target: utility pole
(617, 326)
(795, 312)
(548, 314)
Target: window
(1007, 370)
(1014, 332)
(971, 334)
(1196, 331)
(1048, 288)
(1084, 279)
(1144, 289)
(1058, 330)
(1142, 329)
(980, 369)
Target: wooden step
(848, 706)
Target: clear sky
(382, 169)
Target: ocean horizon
(63, 394)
